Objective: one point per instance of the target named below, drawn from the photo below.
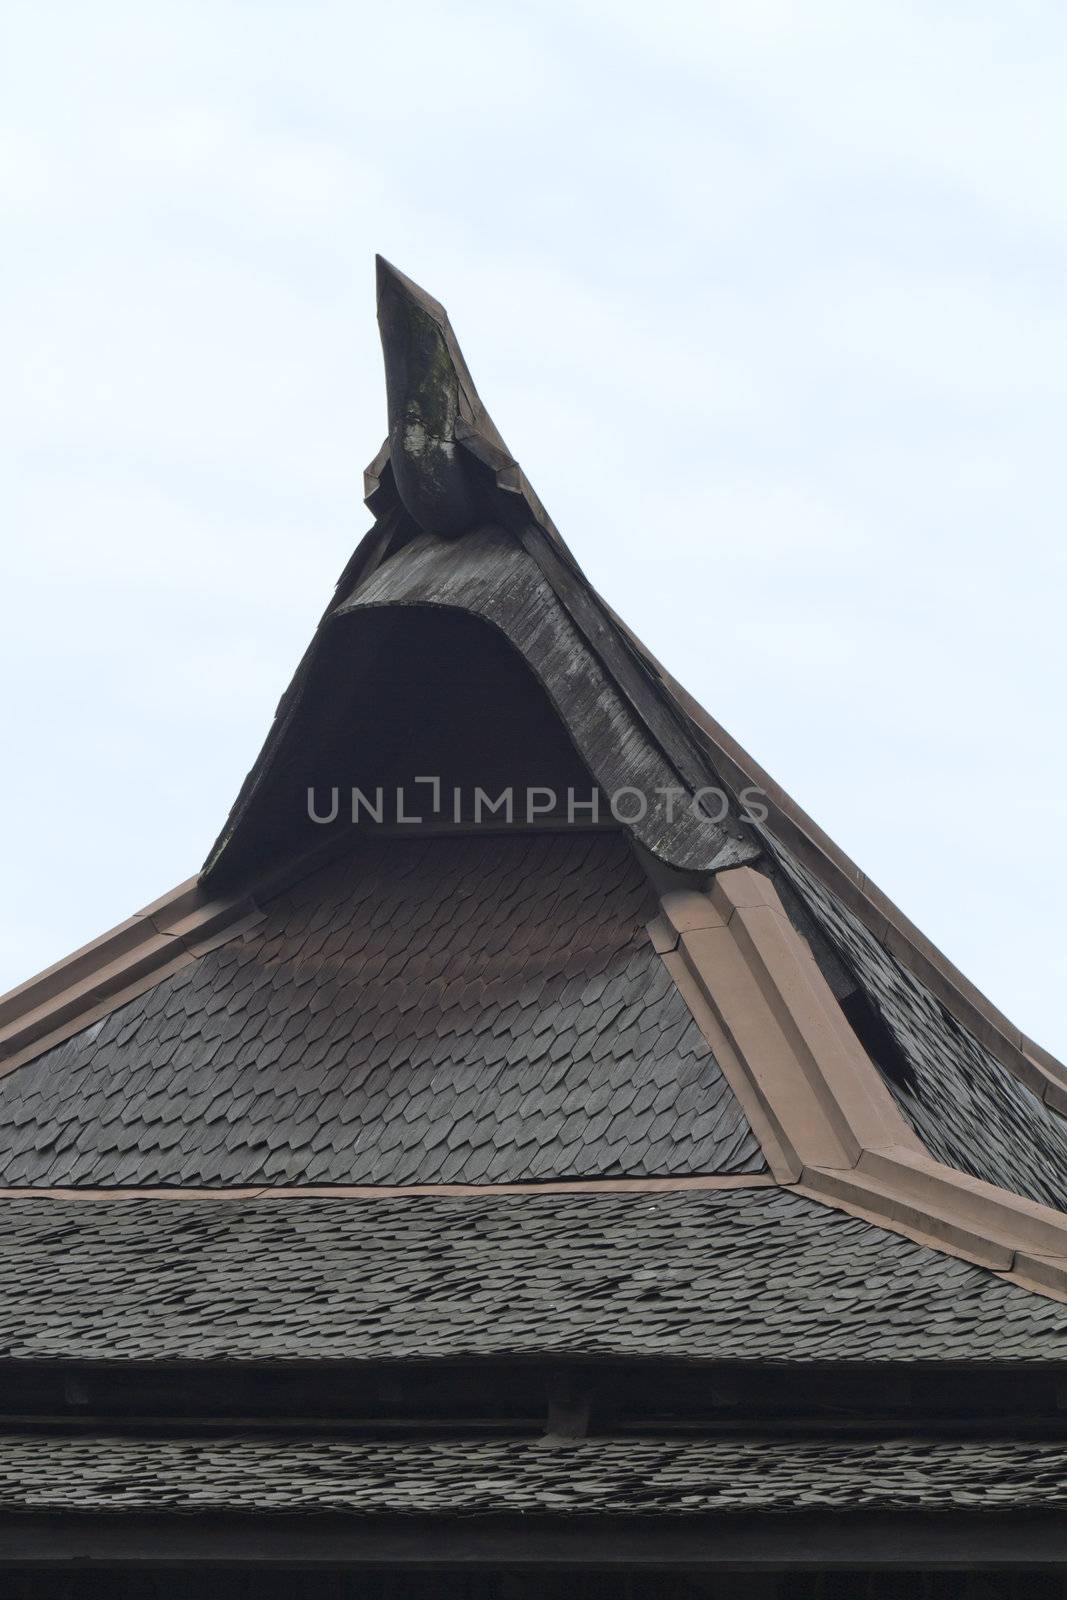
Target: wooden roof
(671, 1088)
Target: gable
(459, 660)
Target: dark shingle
(726, 1275)
(408, 990)
(472, 1476)
(967, 1108)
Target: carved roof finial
(434, 408)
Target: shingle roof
(469, 1476)
(487, 1009)
(726, 1275)
(968, 1109)
(491, 1010)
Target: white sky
(769, 299)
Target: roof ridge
(828, 1124)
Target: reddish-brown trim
(166, 936)
(754, 1180)
(781, 1161)
(790, 1054)
(835, 1131)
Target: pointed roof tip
(415, 328)
(402, 333)
(394, 284)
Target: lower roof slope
(530, 1476)
(429, 1010)
(758, 1274)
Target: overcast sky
(769, 300)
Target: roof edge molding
(702, 1184)
(828, 1125)
(90, 983)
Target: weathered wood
(488, 576)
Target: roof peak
(439, 429)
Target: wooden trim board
(828, 1124)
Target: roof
(470, 1476)
(753, 1275)
(653, 1086)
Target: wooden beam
(800, 1541)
